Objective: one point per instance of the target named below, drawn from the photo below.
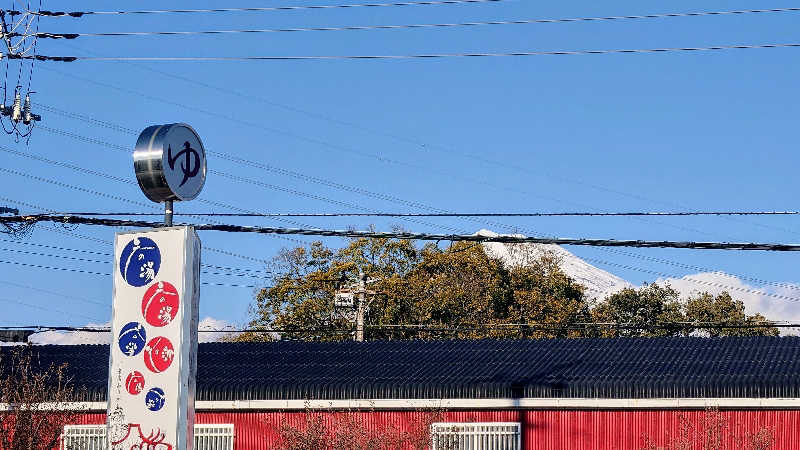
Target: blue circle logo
(154, 400)
(140, 261)
(132, 338)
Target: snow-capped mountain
(598, 282)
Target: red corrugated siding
(612, 430)
(542, 429)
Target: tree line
(463, 292)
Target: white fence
(93, 437)
(476, 436)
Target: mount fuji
(598, 282)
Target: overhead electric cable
(103, 242)
(676, 325)
(406, 56)
(694, 280)
(287, 172)
(701, 269)
(233, 177)
(409, 26)
(508, 239)
(76, 14)
(89, 272)
(317, 180)
(455, 214)
(49, 309)
(306, 177)
(105, 175)
(60, 295)
(63, 269)
(230, 270)
(612, 250)
(50, 255)
(426, 146)
(616, 251)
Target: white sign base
(153, 358)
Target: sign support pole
(168, 213)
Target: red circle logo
(135, 382)
(158, 354)
(160, 304)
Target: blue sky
(664, 131)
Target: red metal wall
(542, 429)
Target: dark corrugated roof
(755, 367)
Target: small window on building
(213, 437)
(93, 437)
(476, 436)
(80, 437)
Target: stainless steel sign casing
(170, 162)
(153, 353)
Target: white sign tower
(153, 359)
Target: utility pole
(362, 306)
(344, 299)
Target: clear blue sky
(666, 131)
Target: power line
(407, 56)
(248, 181)
(48, 309)
(57, 294)
(407, 26)
(394, 199)
(426, 146)
(76, 14)
(294, 174)
(697, 281)
(101, 241)
(299, 175)
(50, 255)
(229, 271)
(507, 239)
(676, 325)
(89, 272)
(62, 269)
(707, 269)
(270, 168)
(103, 175)
(455, 214)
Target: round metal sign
(170, 162)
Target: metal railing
(476, 436)
(93, 437)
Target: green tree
(545, 298)
(723, 308)
(650, 304)
(458, 287)
(300, 300)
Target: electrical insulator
(16, 110)
(27, 118)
